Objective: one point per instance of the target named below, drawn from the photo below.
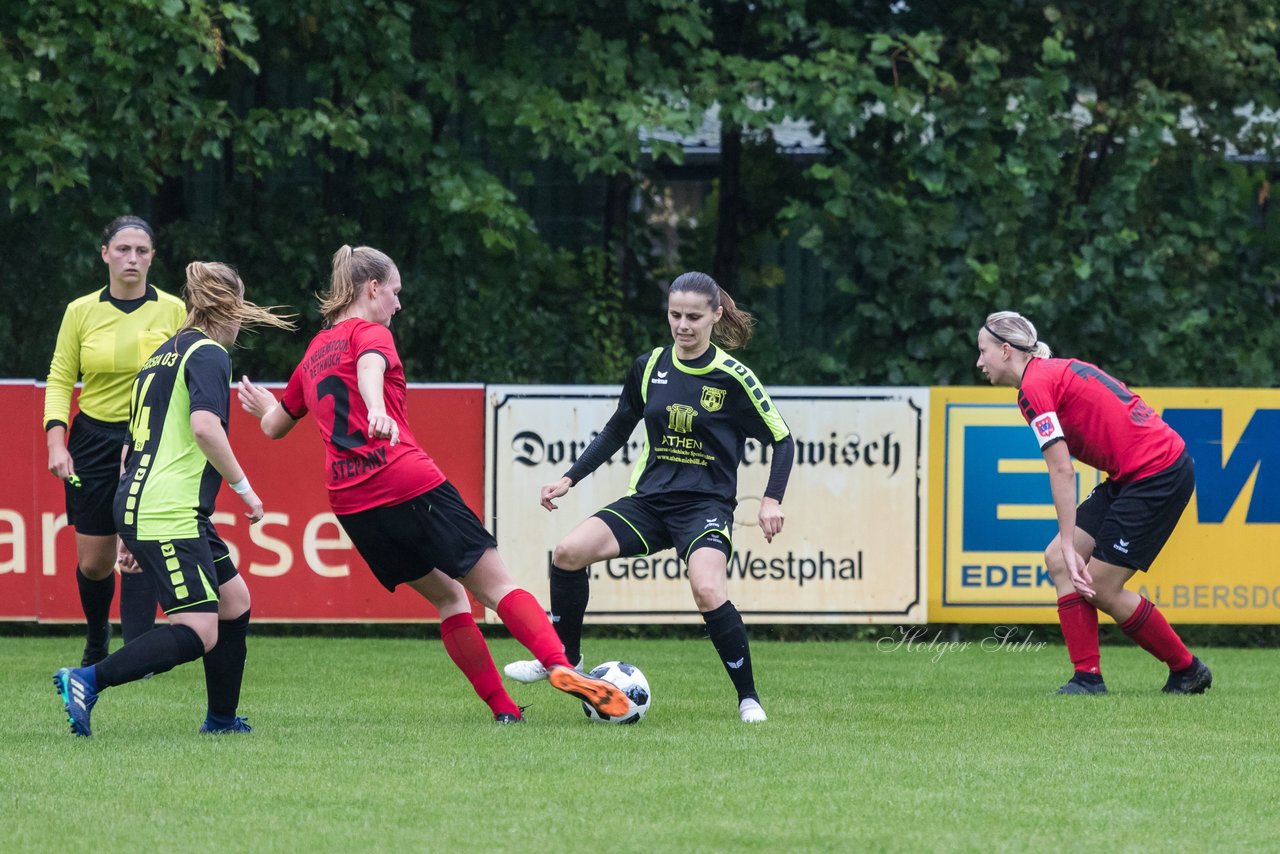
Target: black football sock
(224, 669)
(158, 651)
(95, 599)
(570, 591)
(137, 604)
(729, 636)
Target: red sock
(466, 646)
(1079, 619)
(1151, 631)
(528, 623)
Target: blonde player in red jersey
(407, 521)
(1077, 410)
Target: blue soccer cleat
(78, 698)
(210, 727)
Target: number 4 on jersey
(139, 425)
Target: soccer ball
(632, 682)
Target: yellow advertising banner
(989, 497)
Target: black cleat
(1195, 679)
(510, 717)
(1084, 683)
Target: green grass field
(379, 744)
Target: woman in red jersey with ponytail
(407, 521)
(1077, 410)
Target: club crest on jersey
(1047, 428)
(712, 398)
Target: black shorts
(95, 451)
(1131, 522)
(187, 573)
(403, 542)
(649, 524)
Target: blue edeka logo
(1219, 484)
(989, 486)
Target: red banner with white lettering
(298, 563)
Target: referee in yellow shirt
(104, 338)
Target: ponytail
(214, 295)
(351, 268)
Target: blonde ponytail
(214, 294)
(352, 268)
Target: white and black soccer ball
(631, 681)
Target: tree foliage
(1078, 163)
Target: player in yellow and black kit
(699, 404)
(178, 456)
(104, 338)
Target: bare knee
(207, 632)
(1109, 601)
(455, 602)
(233, 599)
(707, 596)
(96, 572)
(446, 594)
(566, 556)
(96, 555)
(1057, 566)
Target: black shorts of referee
(95, 448)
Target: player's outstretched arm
(262, 405)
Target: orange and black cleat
(605, 697)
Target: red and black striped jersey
(361, 473)
(1104, 424)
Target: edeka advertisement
(852, 547)
(994, 515)
(298, 562)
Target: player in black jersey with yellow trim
(699, 405)
(104, 337)
(178, 455)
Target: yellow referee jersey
(106, 341)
